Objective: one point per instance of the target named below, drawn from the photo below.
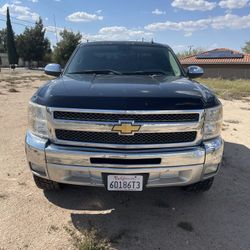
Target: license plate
(125, 182)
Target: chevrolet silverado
(125, 116)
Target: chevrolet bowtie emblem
(126, 128)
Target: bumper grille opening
(114, 138)
(125, 161)
(102, 117)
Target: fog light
(38, 169)
(211, 169)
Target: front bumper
(74, 165)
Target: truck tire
(46, 185)
(199, 187)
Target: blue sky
(179, 23)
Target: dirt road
(164, 218)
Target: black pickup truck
(124, 116)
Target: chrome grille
(114, 138)
(103, 117)
(94, 128)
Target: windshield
(124, 59)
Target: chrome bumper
(72, 165)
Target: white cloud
(81, 16)
(158, 12)
(188, 27)
(17, 2)
(192, 5)
(55, 30)
(34, 1)
(233, 4)
(188, 34)
(20, 12)
(118, 33)
(231, 21)
(99, 11)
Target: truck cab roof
(140, 43)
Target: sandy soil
(32, 219)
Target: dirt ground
(163, 218)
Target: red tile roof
(193, 60)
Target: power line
(22, 24)
(25, 25)
(25, 21)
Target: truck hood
(124, 93)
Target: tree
(32, 45)
(65, 47)
(192, 52)
(3, 40)
(11, 46)
(246, 48)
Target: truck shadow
(150, 216)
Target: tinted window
(124, 59)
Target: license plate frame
(143, 178)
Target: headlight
(213, 122)
(37, 120)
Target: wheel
(201, 186)
(45, 184)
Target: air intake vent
(103, 117)
(114, 138)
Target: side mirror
(194, 71)
(53, 69)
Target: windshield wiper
(147, 72)
(101, 72)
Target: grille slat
(114, 138)
(107, 117)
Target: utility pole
(190, 48)
(55, 27)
